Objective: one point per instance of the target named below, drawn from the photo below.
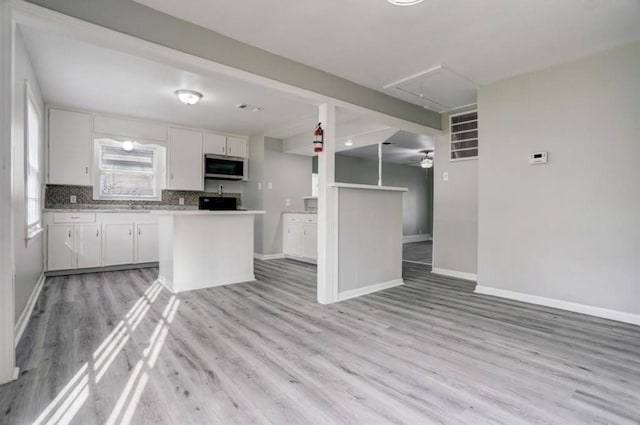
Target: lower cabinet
(110, 239)
(61, 252)
(300, 236)
(118, 244)
(147, 243)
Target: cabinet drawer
(74, 218)
(301, 218)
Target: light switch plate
(181, 201)
(73, 199)
(287, 202)
(445, 176)
(270, 185)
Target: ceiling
(376, 44)
(85, 76)
(405, 148)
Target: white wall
(568, 230)
(455, 204)
(282, 176)
(29, 260)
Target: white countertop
(369, 187)
(299, 212)
(206, 212)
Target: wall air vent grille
(463, 142)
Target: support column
(7, 298)
(327, 213)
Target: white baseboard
(605, 313)
(268, 256)
(456, 274)
(352, 293)
(23, 320)
(415, 238)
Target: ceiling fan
(426, 159)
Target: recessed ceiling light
(188, 97)
(349, 142)
(404, 2)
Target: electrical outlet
(73, 199)
(181, 201)
(270, 185)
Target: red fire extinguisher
(318, 138)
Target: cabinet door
(237, 146)
(293, 239)
(89, 245)
(185, 159)
(117, 244)
(60, 251)
(147, 249)
(69, 147)
(310, 241)
(215, 144)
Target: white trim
(605, 313)
(266, 257)
(424, 263)
(23, 320)
(416, 238)
(353, 293)
(368, 187)
(454, 273)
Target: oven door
(223, 168)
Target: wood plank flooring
(117, 348)
(418, 252)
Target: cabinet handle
(86, 170)
(97, 233)
(129, 232)
(139, 231)
(69, 234)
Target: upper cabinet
(219, 144)
(69, 147)
(185, 159)
(236, 146)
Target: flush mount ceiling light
(404, 2)
(249, 107)
(127, 145)
(188, 97)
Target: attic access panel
(439, 89)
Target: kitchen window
(33, 179)
(128, 170)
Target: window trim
(34, 230)
(159, 167)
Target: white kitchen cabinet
(88, 245)
(117, 244)
(292, 242)
(237, 146)
(300, 237)
(185, 159)
(215, 144)
(310, 241)
(69, 147)
(60, 249)
(147, 243)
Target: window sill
(33, 235)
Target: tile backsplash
(58, 196)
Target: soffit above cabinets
(439, 89)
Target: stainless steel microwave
(225, 168)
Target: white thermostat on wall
(538, 158)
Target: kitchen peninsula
(202, 249)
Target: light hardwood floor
(112, 348)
